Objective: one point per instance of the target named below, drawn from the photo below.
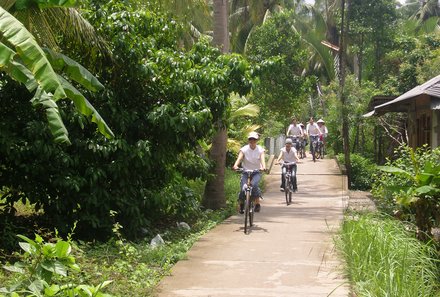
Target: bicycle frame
(314, 146)
(288, 186)
(249, 202)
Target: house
(422, 104)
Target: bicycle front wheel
(287, 189)
(251, 212)
(247, 210)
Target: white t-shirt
(324, 130)
(294, 130)
(288, 156)
(313, 129)
(252, 157)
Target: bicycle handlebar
(242, 170)
(288, 164)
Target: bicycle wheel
(247, 212)
(290, 197)
(286, 189)
(314, 152)
(251, 212)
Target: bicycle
(249, 200)
(321, 147)
(289, 178)
(314, 146)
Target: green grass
(384, 259)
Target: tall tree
(214, 196)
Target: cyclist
(313, 131)
(324, 131)
(288, 154)
(251, 157)
(304, 139)
(322, 128)
(295, 131)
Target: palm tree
(194, 14)
(214, 197)
(24, 60)
(247, 14)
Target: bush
(362, 171)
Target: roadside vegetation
(393, 251)
(384, 258)
(127, 268)
(110, 112)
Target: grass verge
(384, 259)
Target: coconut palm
(214, 197)
(247, 14)
(194, 14)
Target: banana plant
(24, 60)
(421, 192)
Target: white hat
(253, 135)
(301, 124)
(320, 121)
(288, 140)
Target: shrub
(362, 170)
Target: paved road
(288, 253)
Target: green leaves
(27, 63)
(30, 53)
(40, 263)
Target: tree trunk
(221, 31)
(214, 196)
(343, 97)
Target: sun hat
(288, 140)
(320, 121)
(253, 135)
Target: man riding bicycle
(288, 154)
(313, 131)
(295, 132)
(251, 157)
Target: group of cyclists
(252, 157)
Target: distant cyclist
(322, 128)
(304, 139)
(313, 131)
(294, 129)
(251, 157)
(288, 154)
(324, 133)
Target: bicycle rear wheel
(251, 212)
(286, 190)
(247, 213)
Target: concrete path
(288, 253)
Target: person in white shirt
(295, 132)
(322, 128)
(324, 133)
(294, 129)
(251, 157)
(313, 131)
(288, 154)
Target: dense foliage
(409, 187)
(363, 171)
(280, 91)
(159, 100)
